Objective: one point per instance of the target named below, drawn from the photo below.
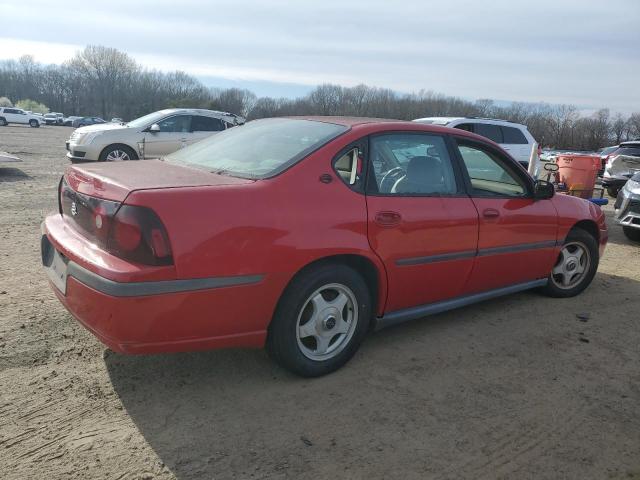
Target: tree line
(109, 83)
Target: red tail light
(137, 234)
(127, 231)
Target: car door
(517, 233)
(203, 127)
(420, 222)
(175, 133)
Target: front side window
(258, 149)
(467, 127)
(206, 124)
(411, 164)
(178, 123)
(489, 173)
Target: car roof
(632, 143)
(199, 111)
(366, 125)
(447, 120)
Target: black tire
(283, 342)
(3, 122)
(104, 155)
(34, 124)
(577, 238)
(613, 191)
(632, 234)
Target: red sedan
(302, 234)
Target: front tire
(613, 191)
(575, 267)
(320, 321)
(632, 234)
(34, 124)
(3, 122)
(117, 153)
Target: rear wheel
(632, 233)
(117, 153)
(575, 267)
(613, 191)
(320, 321)
(34, 123)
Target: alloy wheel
(572, 265)
(327, 321)
(117, 155)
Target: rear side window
(513, 135)
(411, 165)
(206, 124)
(492, 132)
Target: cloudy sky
(584, 52)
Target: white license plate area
(57, 272)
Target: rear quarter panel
(272, 227)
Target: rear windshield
(631, 150)
(258, 149)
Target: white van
(513, 137)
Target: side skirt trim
(139, 289)
(413, 313)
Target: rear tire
(117, 153)
(576, 265)
(320, 321)
(632, 234)
(613, 191)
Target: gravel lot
(517, 387)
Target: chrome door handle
(388, 218)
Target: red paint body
(222, 226)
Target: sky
(585, 53)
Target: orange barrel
(578, 173)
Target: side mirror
(543, 190)
(154, 128)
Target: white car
(17, 115)
(513, 137)
(151, 136)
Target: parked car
(151, 136)
(604, 156)
(86, 121)
(68, 121)
(117, 120)
(627, 208)
(513, 137)
(17, 115)
(54, 118)
(622, 164)
(304, 234)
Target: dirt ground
(517, 387)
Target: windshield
(148, 119)
(259, 149)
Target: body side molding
(413, 313)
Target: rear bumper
(165, 315)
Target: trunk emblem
(74, 209)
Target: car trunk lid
(115, 180)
